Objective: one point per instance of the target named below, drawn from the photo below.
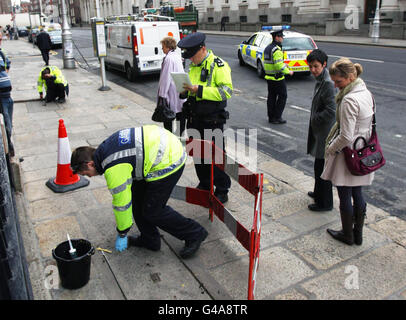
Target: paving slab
(370, 277)
(322, 251)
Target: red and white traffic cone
(65, 179)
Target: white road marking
(277, 132)
(361, 59)
(298, 108)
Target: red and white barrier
(252, 182)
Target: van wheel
(129, 72)
(260, 70)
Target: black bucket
(74, 273)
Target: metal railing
(14, 277)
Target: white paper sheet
(180, 78)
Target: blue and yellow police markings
(252, 52)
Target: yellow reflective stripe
(118, 155)
(223, 90)
(121, 187)
(139, 168)
(158, 173)
(210, 74)
(122, 208)
(163, 141)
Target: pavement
(298, 259)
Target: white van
(135, 46)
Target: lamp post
(375, 24)
(68, 61)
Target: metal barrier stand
(252, 182)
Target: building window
(210, 19)
(263, 18)
(404, 15)
(286, 18)
(211, 2)
(243, 18)
(336, 15)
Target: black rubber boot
(346, 235)
(359, 218)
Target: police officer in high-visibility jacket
(55, 84)
(141, 167)
(275, 71)
(206, 103)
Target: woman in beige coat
(353, 119)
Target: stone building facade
(321, 17)
(315, 17)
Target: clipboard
(179, 78)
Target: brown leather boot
(346, 235)
(359, 218)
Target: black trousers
(221, 180)
(54, 90)
(277, 96)
(150, 211)
(323, 189)
(181, 119)
(45, 55)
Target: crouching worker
(141, 167)
(55, 84)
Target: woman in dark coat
(322, 118)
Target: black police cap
(191, 44)
(278, 33)
(193, 40)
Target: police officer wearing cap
(206, 103)
(275, 71)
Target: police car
(296, 47)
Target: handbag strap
(373, 116)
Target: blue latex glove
(121, 243)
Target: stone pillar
(390, 10)
(390, 5)
(325, 6)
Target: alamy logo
(51, 277)
(352, 281)
(124, 136)
(352, 20)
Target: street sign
(99, 37)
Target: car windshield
(297, 44)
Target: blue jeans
(7, 111)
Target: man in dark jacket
(322, 118)
(6, 102)
(44, 44)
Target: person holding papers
(206, 103)
(167, 89)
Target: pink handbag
(366, 159)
